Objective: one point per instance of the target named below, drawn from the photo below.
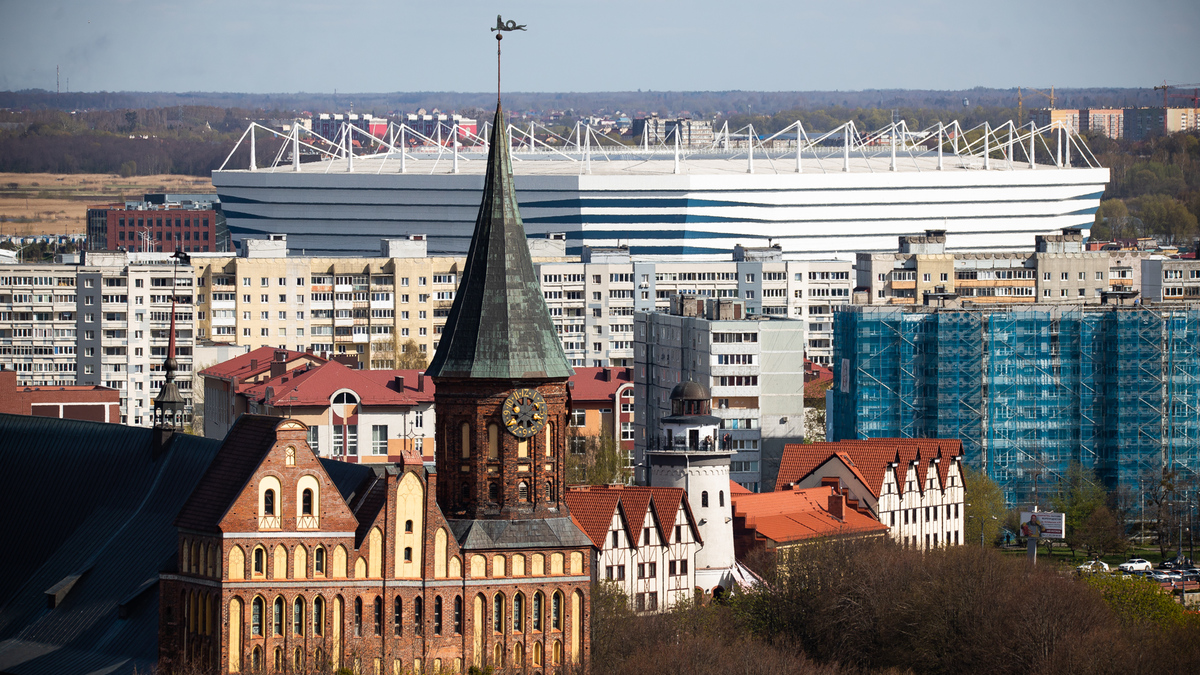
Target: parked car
(1093, 567)
(1135, 565)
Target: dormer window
(306, 502)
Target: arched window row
(200, 558)
(326, 562)
(307, 617)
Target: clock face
(524, 413)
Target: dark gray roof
(88, 517)
(517, 534)
(499, 327)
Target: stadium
(817, 196)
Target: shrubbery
(871, 606)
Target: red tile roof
(588, 384)
(593, 507)
(737, 489)
(240, 366)
(315, 386)
(412, 378)
(796, 515)
(870, 458)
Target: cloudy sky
(266, 46)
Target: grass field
(43, 203)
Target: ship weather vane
(501, 28)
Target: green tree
(410, 356)
(984, 506)
(1137, 601)
(1112, 221)
(1166, 218)
(1079, 495)
(595, 460)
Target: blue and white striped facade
(703, 211)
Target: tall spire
(499, 326)
(168, 405)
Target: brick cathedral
(292, 563)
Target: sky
(266, 46)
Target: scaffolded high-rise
(1028, 389)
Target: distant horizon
(458, 92)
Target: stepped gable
(499, 327)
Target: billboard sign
(1043, 524)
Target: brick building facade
(291, 562)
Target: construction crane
(1020, 101)
(1167, 95)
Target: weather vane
(501, 28)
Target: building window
(256, 615)
(260, 557)
(269, 503)
(306, 502)
(277, 617)
(518, 619)
(537, 611)
(556, 611)
(378, 615)
(358, 617)
(704, 499)
(493, 492)
(497, 613)
(578, 417)
(397, 616)
(313, 440)
(437, 615)
(407, 554)
(318, 615)
(458, 615)
(522, 492)
(298, 616)
(319, 560)
(379, 442)
(418, 616)
(408, 526)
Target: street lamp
(982, 522)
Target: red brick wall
(463, 486)
(11, 401)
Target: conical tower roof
(499, 327)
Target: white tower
(687, 455)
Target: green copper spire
(499, 327)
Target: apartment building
(753, 365)
(367, 308)
(1107, 121)
(1058, 270)
(592, 301)
(103, 322)
(1174, 280)
(370, 307)
(1142, 123)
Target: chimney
(420, 381)
(253, 365)
(279, 366)
(608, 374)
(837, 504)
(400, 383)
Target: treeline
(700, 104)
(188, 141)
(859, 606)
(1155, 188)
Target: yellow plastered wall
(237, 563)
(518, 565)
(270, 483)
(455, 568)
(410, 505)
(556, 563)
(539, 565)
(478, 567)
(576, 563)
(360, 569)
(498, 566)
(375, 554)
(300, 563)
(439, 553)
(339, 562)
(279, 568)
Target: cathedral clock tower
(500, 372)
